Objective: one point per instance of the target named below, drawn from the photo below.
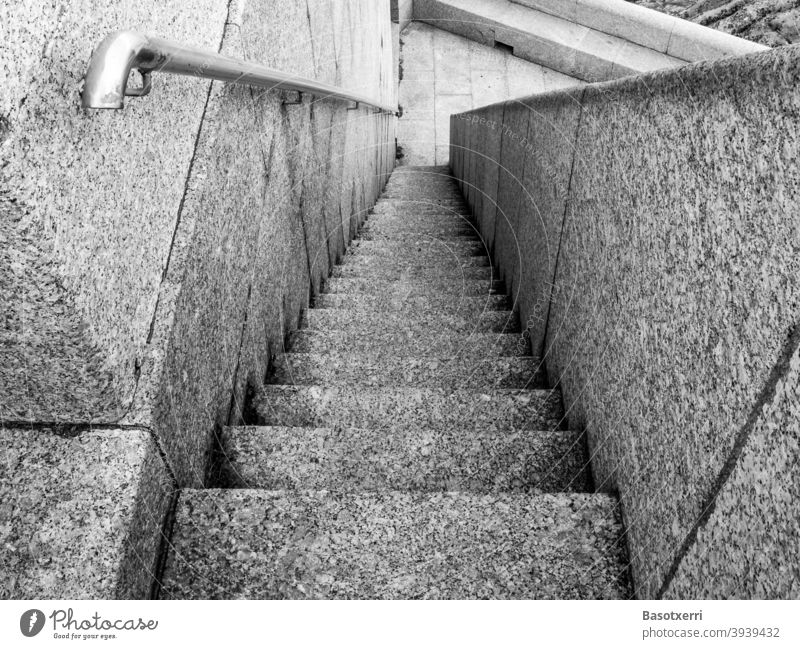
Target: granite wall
(648, 228)
(152, 259)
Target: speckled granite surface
(359, 407)
(261, 544)
(423, 274)
(401, 233)
(419, 246)
(437, 261)
(80, 516)
(74, 322)
(671, 305)
(386, 411)
(383, 370)
(760, 503)
(403, 459)
(389, 345)
(393, 288)
(398, 301)
(410, 323)
(152, 258)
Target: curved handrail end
(109, 67)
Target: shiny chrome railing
(106, 82)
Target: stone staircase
(408, 446)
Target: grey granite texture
(391, 345)
(670, 308)
(403, 459)
(400, 289)
(358, 407)
(382, 409)
(250, 259)
(537, 159)
(487, 173)
(760, 502)
(383, 370)
(453, 273)
(261, 544)
(375, 230)
(419, 246)
(409, 322)
(514, 150)
(372, 231)
(398, 301)
(84, 248)
(80, 514)
(368, 262)
(152, 259)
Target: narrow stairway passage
(408, 446)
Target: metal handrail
(105, 85)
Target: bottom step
(278, 545)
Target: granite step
(402, 459)
(390, 345)
(398, 287)
(454, 272)
(421, 205)
(410, 236)
(438, 260)
(262, 544)
(421, 246)
(399, 301)
(355, 406)
(379, 370)
(420, 218)
(373, 230)
(411, 322)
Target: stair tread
(397, 301)
(418, 322)
(423, 246)
(437, 262)
(358, 406)
(393, 545)
(405, 343)
(386, 370)
(386, 286)
(377, 270)
(403, 458)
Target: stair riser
(373, 371)
(277, 458)
(354, 407)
